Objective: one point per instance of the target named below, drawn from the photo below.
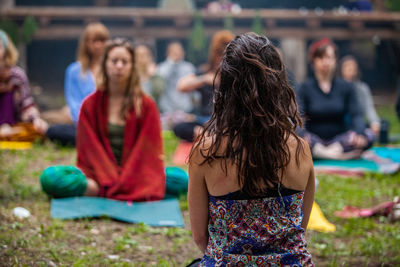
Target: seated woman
(334, 123)
(350, 72)
(152, 83)
(202, 82)
(19, 117)
(251, 178)
(80, 79)
(119, 145)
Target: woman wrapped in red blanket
(119, 144)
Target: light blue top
(77, 87)
(173, 100)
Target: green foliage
(170, 143)
(197, 51)
(257, 25)
(229, 23)
(18, 33)
(11, 28)
(30, 26)
(392, 5)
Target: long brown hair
(255, 112)
(96, 30)
(133, 92)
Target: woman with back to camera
(249, 197)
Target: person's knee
(176, 181)
(184, 131)
(62, 134)
(63, 181)
(47, 180)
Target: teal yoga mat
(388, 163)
(361, 164)
(155, 213)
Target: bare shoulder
(300, 165)
(197, 152)
(299, 144)
(200, 148)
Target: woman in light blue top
(78, 86)
(80, 79)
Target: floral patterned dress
(256, 232)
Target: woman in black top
(334, 125)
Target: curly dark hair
(255, 112)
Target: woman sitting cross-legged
(119, 145)
(20, 119)
(251, 178)
(334, 123)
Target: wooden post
(379, 5)
(22, 60)
(294, 55)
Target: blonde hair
(10, 52)
(98, 31)
(133, 95)
(143, 67)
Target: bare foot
(334, 151)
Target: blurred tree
(17, 33)
(257, 25)
(30, 26)
(11, 28)
(392, 5)
(197, 52)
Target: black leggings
(64, 134)
(185, 130)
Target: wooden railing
(56, 22)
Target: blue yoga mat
(155, 213)
(366, 165)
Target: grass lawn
(42, 241)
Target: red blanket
(141, 176)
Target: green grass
(42, 241)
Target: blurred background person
(202, 82)
(334, 124)
(350, 72)
(152, 83)
(80, 79)
(175, 104)
(16, 102)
